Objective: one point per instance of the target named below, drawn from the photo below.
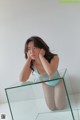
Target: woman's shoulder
(55, 58)
(54, 54)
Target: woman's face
(33, 51)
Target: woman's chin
(33, 58)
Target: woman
(44, 63)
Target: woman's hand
(28, 55)
(42, 52)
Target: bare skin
(54, 96)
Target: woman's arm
(26, 71)
(51, 67)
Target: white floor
(4, 110)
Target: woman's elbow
(22, 79)
(50, 74)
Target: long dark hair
(39, 43)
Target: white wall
(58, 24)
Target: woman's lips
(32, 55)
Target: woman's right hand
(28, 55)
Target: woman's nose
(32, 51)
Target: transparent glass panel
(71, 96)
(27, 101)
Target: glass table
(26, 100)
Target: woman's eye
(34, 48)
(28, 49)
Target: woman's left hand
(42, 52)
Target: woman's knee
(56, 107)
(60, 106)
(52, 108)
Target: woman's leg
(49, 96)
(59, 95)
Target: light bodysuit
(44, 76)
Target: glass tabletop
(32, 80)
